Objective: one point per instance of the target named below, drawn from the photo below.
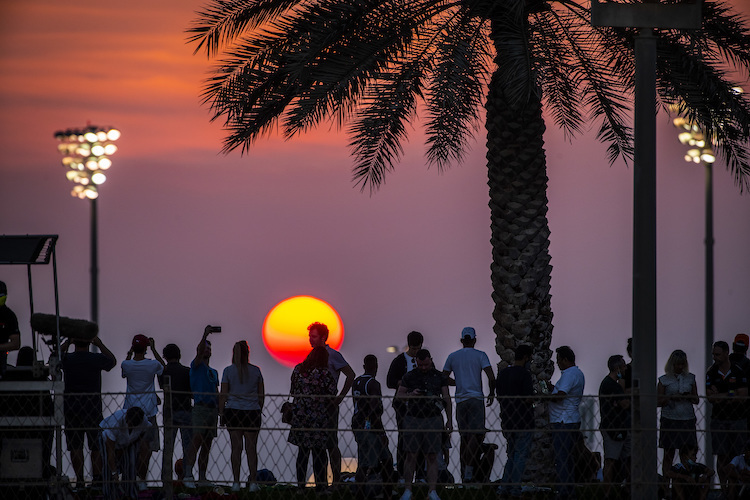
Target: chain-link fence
(36, 460)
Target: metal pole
(709, 298)
(94, 265)
(644, 468)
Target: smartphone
(215, 329)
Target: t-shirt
(141, 391)
(565, 410)
(82, 371)
(242, 395)
(674, 385)
(368, 405)
(693, 470)
(204, 381)
(430, 402)
(8, 327)
(730, 383)
(467, 364)
(116, 429)
(613, 416)
(336, 362)
(516, 413)
(740, 463)
(179, 382)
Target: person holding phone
(204, 382)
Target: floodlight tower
(86, 155)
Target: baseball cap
(741, 339)
(468, 333)
(140, 341)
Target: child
(738, 472)
(690, 480)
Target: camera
(215, 329)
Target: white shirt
(141, 391)
(242, 395)
(467, 364)
(116, 429)
(565, 410)
(673, 385)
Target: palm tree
(372, 65)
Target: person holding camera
(140, 373)
(82, 405)
(204, 382)
(426, 392)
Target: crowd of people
(121, 445)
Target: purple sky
(189, 237)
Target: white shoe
(406, 495)
(433, 495)
(253, 487)
(236, 486)
(188, 482)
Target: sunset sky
(190, 237)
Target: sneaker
(433, 495)
(406, 495)
(142, 486)
(205, 483)
(253, 487)
(236, 486)
(189, 482)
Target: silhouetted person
(726, 389)
(426, 393)
(614, 407)
(514, 393)
(82, 372)
(367, 423)
(177, 412)
(400, 365)
(318, 336)
(140, 373)
(565, 419)
(468, 364)
(122, 436)
(10, 335)
(204, 382)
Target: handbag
(287, 411)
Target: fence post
(168, 453)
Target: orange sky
(189, 237)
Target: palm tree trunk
(520, 242)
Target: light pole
(700, 151)
(86, 155)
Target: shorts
(372, 447)
(728, 436)
(423, 434)
(77, 430)
(244, 420)
(152, 435)
(615, 450)
(470, 416)
(676, 434)
(205, 419)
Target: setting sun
(285, 327)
